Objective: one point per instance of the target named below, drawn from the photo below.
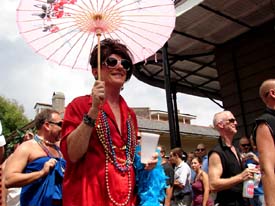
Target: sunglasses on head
(112, 62)
(56, 123)
(245, 145)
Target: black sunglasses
(232, 120)
(56, 123)
(112, 62)
(245, 145)
(200, 150)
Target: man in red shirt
(99, 136)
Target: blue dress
(46, 189)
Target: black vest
(268, 117)
(231, 167)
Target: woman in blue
(37, 165)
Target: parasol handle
(98, 34)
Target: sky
(29, 78)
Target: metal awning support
(175, 109)
(171, 106)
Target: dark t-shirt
(169, 172)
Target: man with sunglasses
(244, 144)
(99, 135)
(247, 154)
(202, 153)
(250, 156)
(37, 164)
(264, 136)
(226, 172)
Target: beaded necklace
(104, 134)
(40, 141)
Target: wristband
(88, 120)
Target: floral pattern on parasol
(65, 31)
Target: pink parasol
(65, 31)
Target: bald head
(226, 124)
(221, 116)
(265, 88)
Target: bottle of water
(257, 177)
(248, 188)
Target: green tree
(11, 115)
(17, 140)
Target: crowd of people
(91, 156)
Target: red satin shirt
(84, 182)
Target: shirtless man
(37, 165)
